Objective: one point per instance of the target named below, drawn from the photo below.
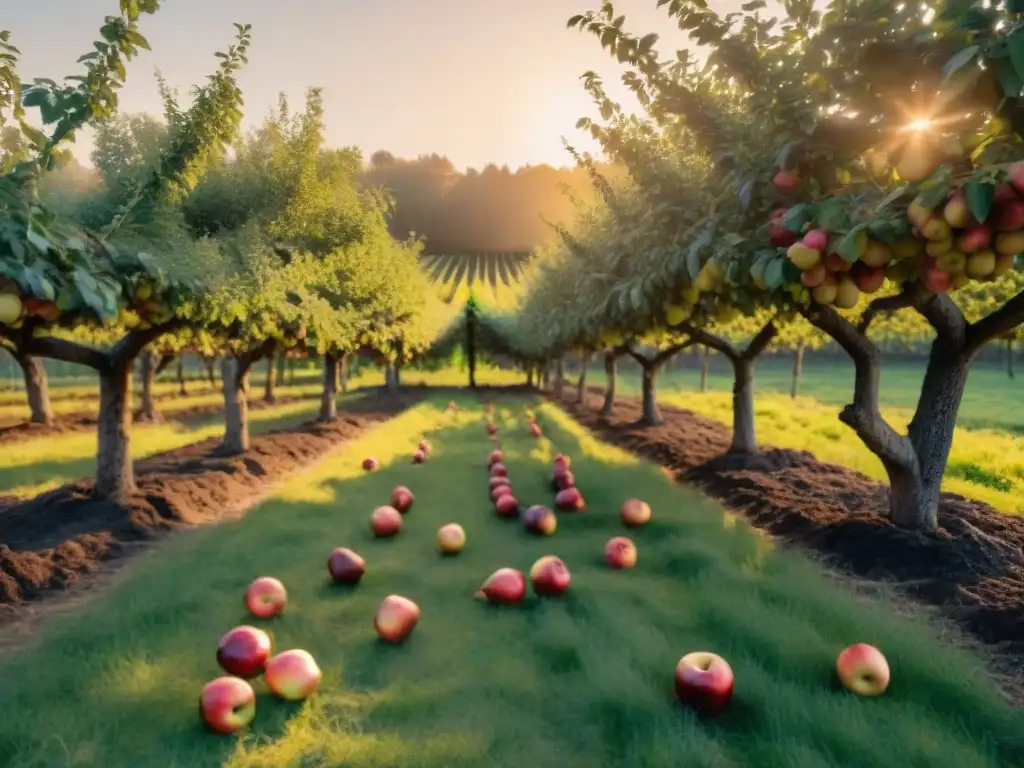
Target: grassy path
(580, 681)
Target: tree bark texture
(37, 389)
(581, 383)
(148, 410)
(328, 402)
(115, 472)
(611, 375)
(798, 370)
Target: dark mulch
(48, 543)
(972, 569)
(85, 421)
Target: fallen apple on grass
(402, 499)
(370, 463)
(863, 670)
(620, 552)
(495, 458)
(507, 506)
(496, 480)
(506, 586)
(570, 500)
(385, 521)
(563, 479)
(244, 651)
(635, 513)
(425, 446)
(499, 470)
(396, 618)
(561, 460)
(704, 682)
(535, 430)
(540, 520)
(266, 597)
(492, 429)
(451, 538)
(227, 704)
(500, 490)
(293, 675)
(419, 457)
(550, 576)
(346, 566)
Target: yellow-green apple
(507, 506)
(402, 499)
(620, 552)
(396, 618)
(244, 651)
(227, 704)
(293, 675)
(863, 669)
(418, 457)
(540, 520)
(635, 512)
(550, 576)
(346, 566)
(451, 538)
(265, 597)
(570, 500)
(506, 586)
(704, 681)
(385, 521)
(369, 463)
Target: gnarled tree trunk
(268, 386)
(611, 375)
(705, 368)
(148, 410)
(233, 373)
(343, 374)
(650, 413)
(798, 369)
(328, 403)
(115, 475)
(37, 388)
(581, 383)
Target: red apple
(265, 597)
(635, 513)
(370, 463)
(497, 480)
(402, 499)
(863, 670)
(787, 182)
(499, 470)
(561, 460)
(506, 586)
(500, 490)
(570, 500)
(424, 446)
(620, 552)
(535, 430)
(564, 479)
(491, 428)
(227, 704)
(244, 651)
(550, 576)
(419, 457)
(385, 521)
(396, 618)
(293, 675)
(507, 506)
(451, 538)
(540, 520)
(704, 681)
(494, 458)
(346, 566)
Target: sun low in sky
(477, 80)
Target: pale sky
(477, 80)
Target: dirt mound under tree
(48, 543)
(972, 568)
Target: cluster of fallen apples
(704, 681)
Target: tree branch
(717, 343)
(165, 361)
(905, 298)
(758, 344)
(133, 342)
(66, 351)
(994, 324)
(945, 317)
(675, 349)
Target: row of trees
(843, 174)
(279, 249)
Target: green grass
(580, 681)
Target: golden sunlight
(921, 124)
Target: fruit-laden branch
(756, 346)
(102, 361)
(1003, 320)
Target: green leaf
(774, 273)
(848, 247)
(1015, 46)
(934, 194)
(832, 214)
(636, 296)
(979, 198)
(959, 60)
(797, 216)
